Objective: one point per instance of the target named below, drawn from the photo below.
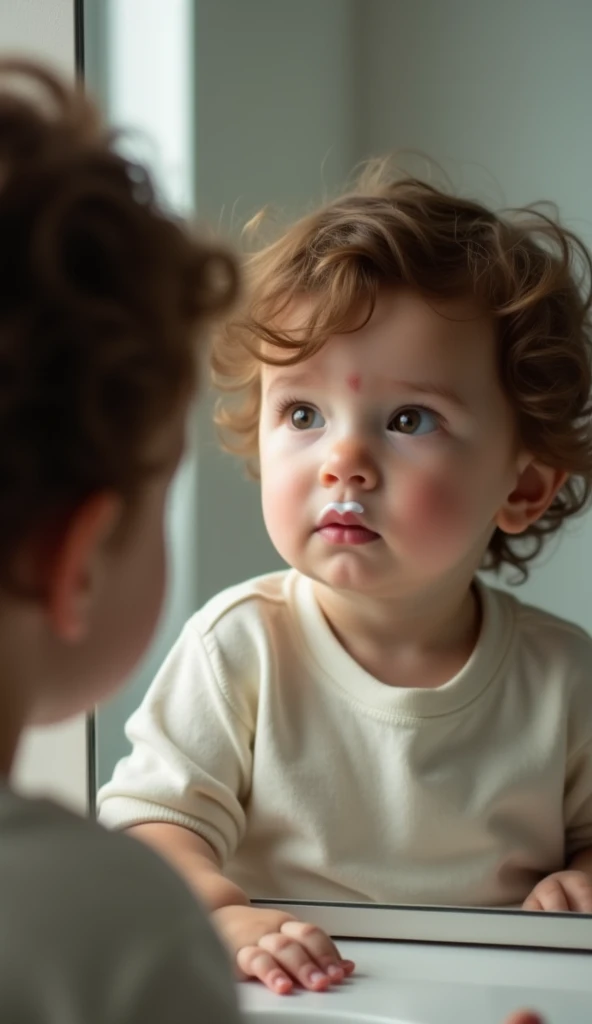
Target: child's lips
(343, 533)
(333, 518)
(346, 528)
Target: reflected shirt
(311, 779)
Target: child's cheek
(282, 509)
(432, 513)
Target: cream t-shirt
(313, 780)
(96, 929)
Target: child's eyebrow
(429, 388)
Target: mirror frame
(472, 926)
(467, 926)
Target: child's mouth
(341, 533)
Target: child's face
(405, 416)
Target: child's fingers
(294, 951)
(320, 946)
(579, 893)
(566, 891)
(296, 961)
(547, 895)
(532, 902)
(255, 962)
(585, 902)
(552, 896)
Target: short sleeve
(191, 759)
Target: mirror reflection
(373, 691)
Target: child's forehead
(400, 304)
(405, 330)
(447, 355)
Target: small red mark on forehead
(354, 381)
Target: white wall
(500, 94)
(41, 28)
(51, 761)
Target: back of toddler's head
(102, 298)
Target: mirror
(276, 103)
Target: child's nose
(349, 462)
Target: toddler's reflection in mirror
(409, 373)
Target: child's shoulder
(556, 640)
(236, 638)
(250, 603)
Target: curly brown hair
(102, 299)
(531, 274)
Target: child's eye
(305, 417)
(413, 420)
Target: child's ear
(76, 563)
(535, 489)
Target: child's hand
(279, 950)
(563, 890)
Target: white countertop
(411, 983)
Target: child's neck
(420, 641)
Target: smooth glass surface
(244, 104)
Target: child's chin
(348, 578)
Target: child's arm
(195, 861)
(267, 944)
